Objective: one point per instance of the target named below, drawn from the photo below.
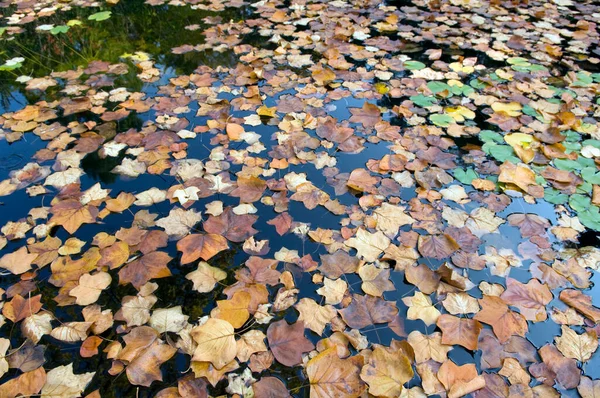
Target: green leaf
(491, 136)
(518, 61)
(441, 120)
(438, 87)
(423, 101)
(579, 202)
(583, 80)
(100, 16)
(501, 152)
(414, 65)
(554, 196)
(466, 176)
(59, 29)
(590, 218)
(567, 164)
(590, 175)
(594, 143)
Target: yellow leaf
(216, 342)
(511, 109)
(460, 113)
(386, 372)
(420, 307)
(268, 112)
(577, 346)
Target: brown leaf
(581, 303)
(504, 322)
(203, 246)
(531, 298)
(437, 246)
(287, 342)
(337, 264)
(235, 310)
(149, 266)
(386, 372)
(369, 115)
(236, 228)
(330, 376)
(19, 261)
(460, 380)
(26, 384)
(270, 387)
(282, 223)
(19, 308)
(367, 310)
(71, 214)
(461, 331)
(249, 189)
(216, 342)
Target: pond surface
(457, 140)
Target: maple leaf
(29, 383)
(361, 180)
(459, 380)
(314, 316)
(420, 307)
(428, 347)
(90, 287)
(287, 342)
(368, 245)
(216, 342)
(203, 246)
(235, 310)
(375, 280)
(337, 264)
(61, 382)
(437, 246)
(19, 308)
(179, 222)
(330, 376)
(504, 322)
(367, 310)
(206, 277)
(529, 224)
(386, 371)
(461, 331)
(71, 214)
(35, 326)
(251, 342)
(577, 346)
(168, 320)
(236, 228)
(369, 115)
(522, 177)
(581, 303)
(333, 290)
(149, 266)
(19, 261)
(249, 189)
(144, 353)
(531, 298)
(460, 303)
(390, 218)
(282, 223)
(564, 370)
